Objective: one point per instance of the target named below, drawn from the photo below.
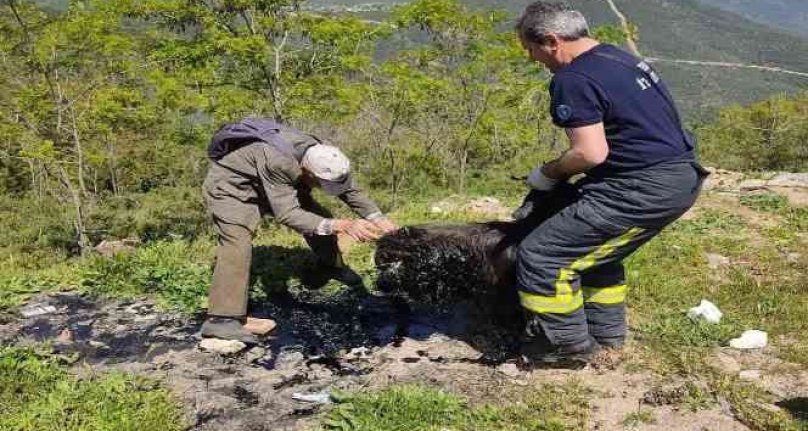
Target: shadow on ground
(798, 407)
(325, 340)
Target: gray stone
(222, 347)
(750, 185)
(724, 363)
(289, 359)
(111, 248)
(785, 179)
(316, 398)
(508, 369)
(36, 310)
(255, 354)
(97, 344)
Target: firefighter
(625, 135)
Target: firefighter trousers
(570, 276)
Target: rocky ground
(348, 344)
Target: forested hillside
(788, 15)
(688, 29)
(101, 104)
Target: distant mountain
(788, 15)
(685, 29)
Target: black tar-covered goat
(440, 265)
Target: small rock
(751, 375)
(715, 261)
(486, 205)
(796, 180)
(222, 347)
(260, 327)
(111, 248)
(289, 359)
(508, 369)
(726, 407)
(65, 337)
(724, 363)
(437, 210)
(751, 185)
(36, 310)
(359, 352)
(255, 354)
(97, 344)
(793, 257)
(752, 339)
(146, 318)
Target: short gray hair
(542, 18)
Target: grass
(759, 289)
(640, 417)
(420, 408)
(37, 393)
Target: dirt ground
(345, 343)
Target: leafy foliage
(769, 135)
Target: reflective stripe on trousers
(566, 299)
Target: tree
(263, 57)
(57, 69)
(768, 135)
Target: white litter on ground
(752, 339)
(706, 311)
(317, 398)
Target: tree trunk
(113, 168)
(79, 216)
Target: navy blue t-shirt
(642, 128)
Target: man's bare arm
(588, 148)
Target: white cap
(331, 167)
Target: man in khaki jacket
(274, 175)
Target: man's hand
(360, 230)
(531, 201)
(386, 225)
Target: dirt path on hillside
(345, 343)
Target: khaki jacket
(258, 179)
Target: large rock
(785, 179)
(260, 327)
(487, 206)
(111, 248)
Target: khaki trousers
(231, 275)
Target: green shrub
(163, 213)
(17, 286)
(28, 224)
(769, 135)
(170, 270)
